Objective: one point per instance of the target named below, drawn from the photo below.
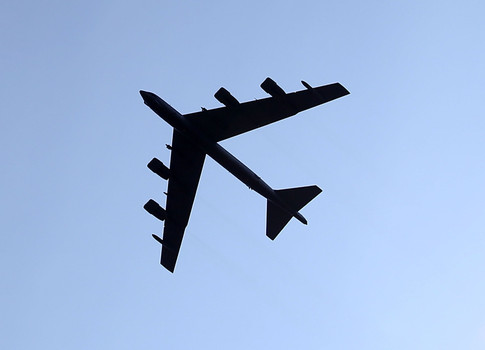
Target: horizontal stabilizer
(298, 197)
(276, 219)
(294, 198)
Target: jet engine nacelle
(270, 87)
(156, 210)
(159, 168)
(225, 97)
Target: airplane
(196, 135)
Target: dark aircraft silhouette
(198, 134)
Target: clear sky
(393, 256)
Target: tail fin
(295, 199)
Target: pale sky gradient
(393, 256)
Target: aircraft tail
(295, 199)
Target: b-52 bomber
(196, 135)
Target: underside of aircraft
(196, 135)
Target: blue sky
(392, 257)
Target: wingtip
(169, 267)
(344, 90)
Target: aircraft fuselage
(215, 151)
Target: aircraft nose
(144, 94)
(147, 96)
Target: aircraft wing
(185, 168)
(237, 118)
